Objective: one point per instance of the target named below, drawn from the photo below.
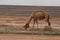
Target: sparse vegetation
(7, 26)
(9, 29)
(47, 28)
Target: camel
(37, 15)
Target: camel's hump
(40, 14)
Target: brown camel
(37, 15)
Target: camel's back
(39, 14)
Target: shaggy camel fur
(37, 15)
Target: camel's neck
(29, 20)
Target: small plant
(47, 28)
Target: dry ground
(18, 21)
(27, 37)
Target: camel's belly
(41, 16)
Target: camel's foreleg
(37, 23)
(33, 23)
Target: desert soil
(27, 37)
(18, 22)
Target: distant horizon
(21, 5)
(27, 10)
(31, 2)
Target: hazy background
(31, 2)
(17, 8)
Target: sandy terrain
(27, 37)
(19, 22)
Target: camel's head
(26, 26)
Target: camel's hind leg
(49, 24)
(48, 28)
(47, 20)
